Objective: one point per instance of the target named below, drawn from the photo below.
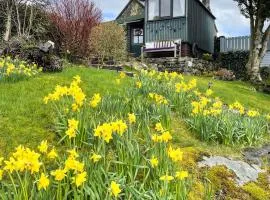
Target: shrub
(265, 73)
(207, 57)
(225, 75)
(108, 41)
(73, 21)
(235, 61)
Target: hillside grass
(24, 119)
(231, 91)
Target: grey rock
(46, 47)
(255, 155)
(243, 171)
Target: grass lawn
(24, 119)
(233, 91)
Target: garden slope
(24, 119)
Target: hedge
(235, 61)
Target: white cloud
(230, 22)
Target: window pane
(135, 40)
(165, 8)
(153, 10)
(178, 8)
(140, 39)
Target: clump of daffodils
(72, 128)
(162, 136)
(253, 113)
(159, 99)
(237, 107)
(96, 99)
(23, 159)
(185, 87)
(14, 69)
(74, 91)
(106, 130)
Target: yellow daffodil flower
(115, 189)
(43, 182)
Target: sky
(229, 21)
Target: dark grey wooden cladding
(201, 26)
(168, 29)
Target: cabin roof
(141, 2)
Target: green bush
(108, 42)
(235, 61)
(207, 57)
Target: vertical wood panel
(201, 26)
(169, 29)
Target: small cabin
(168, 27)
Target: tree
(108, 40)
(22, 15)
(7, 9)
(73, 21)
(258, 11)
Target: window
(165, 6)
(153, 10)
(178, 8)
(138, 36)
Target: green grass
(24, 119)
(233, 91)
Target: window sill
(165, 18)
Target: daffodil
(72, 128)
(96, 99)
(209, 92)
(122, 75)
(154, 162)
(43, 182)
(181, 175)
(166, 137)
(43, 147)
(79, 179)
(175, 154)
(59, 174)
(131, 118)
(1, 174)
(253, 113)
(73, 153)
(95, 157)
(159, 127)
(238, 107)
(159, 99)
(156, 138)
(52, 154)
(115, 189)
(166, 178)
(139, 84)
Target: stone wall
(192, 66)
